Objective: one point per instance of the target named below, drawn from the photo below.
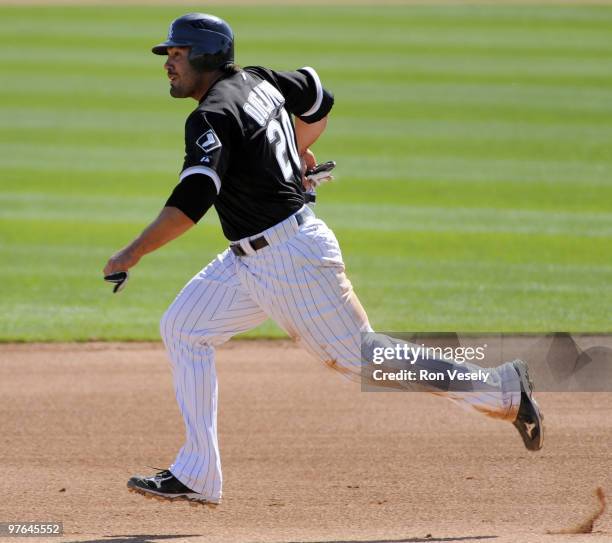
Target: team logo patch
(208, 141)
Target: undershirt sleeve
(194, 195)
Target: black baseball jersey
(241, 137)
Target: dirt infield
(307, 456)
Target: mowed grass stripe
(503, 17)
(579, 105)
(385, 166)
(391, 99)
(393, 218)
(19, 122)
(576, 74)
(411, 38)
(469, 143)
(553, 197)
(563, 47)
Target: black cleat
(529, 420)
(165, 486)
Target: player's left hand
(308, 161)
(311, 178)
(318, 175)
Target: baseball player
(246, 145)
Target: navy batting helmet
(211, 40)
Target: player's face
(185, 82)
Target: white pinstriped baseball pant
(299, 281)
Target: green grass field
(474, 186)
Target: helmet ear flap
(198, 63)
(205, 57)
(202, 63)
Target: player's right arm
(199, 183)
(169, 225)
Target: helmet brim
(162, 48)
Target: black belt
(261, 242)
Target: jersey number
(283, 139)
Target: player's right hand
(121, 261)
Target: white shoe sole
(194, 499)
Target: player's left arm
(307, 133)
(307, 99)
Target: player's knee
(176, 329)
(165, 327)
